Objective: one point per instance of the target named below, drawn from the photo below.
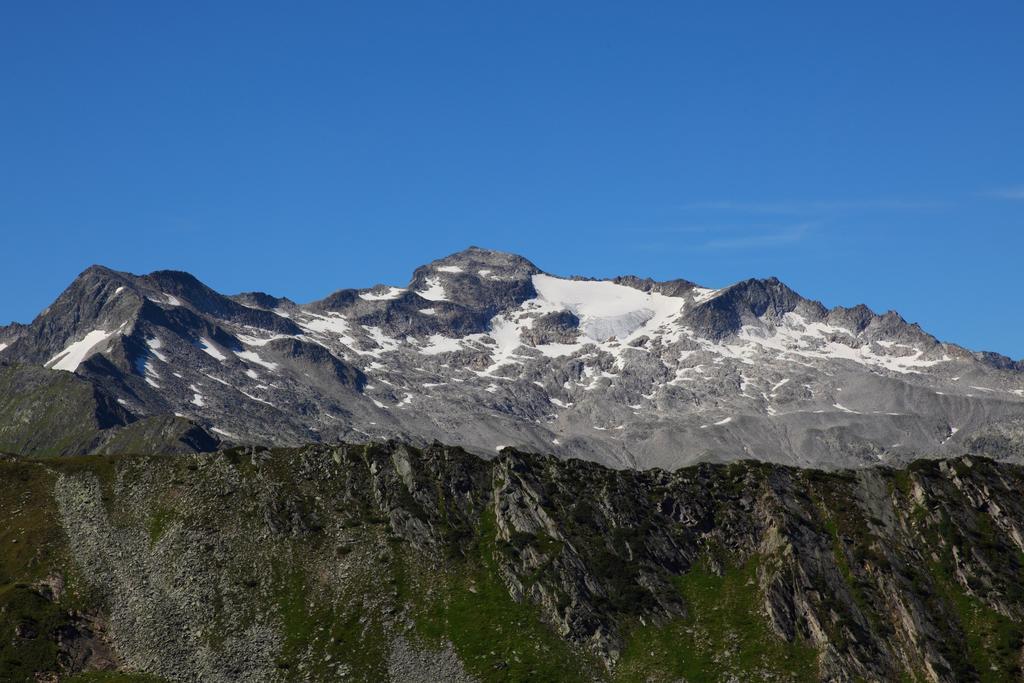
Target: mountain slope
(484, 350)
(385, 562)
(47, 412)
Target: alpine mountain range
(483, 350)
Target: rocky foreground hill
(389, 562)
(484, 350)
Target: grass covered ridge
(724, 635)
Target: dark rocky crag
(388, 562)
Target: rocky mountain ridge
(388, 562)
(484, 350)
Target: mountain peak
(178, 282)
(99, 270)
(479, 280)
(476, 259)
(97, 279)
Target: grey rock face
(747, 303)
(561, 327)
(675, 288)
(409, 664)
(484, 350)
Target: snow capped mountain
(483, 350)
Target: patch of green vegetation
(857, 585)
(992, 642)
(30, 535)
(290, 596)
(909, 677)
(45, 412)
(160, 517)
(325, 632)
(149, 435)
(28, 622)
(901, 481)
(103, 467)
(31, 549)
(723, 635)
(497, 638)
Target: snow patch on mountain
(390, 293)
(146, 369)
(210, 348)
(435, 290)
(605, 309)
(383, 341)
(798, 337)
(250, 340)
(610, 316)
(77, 352)
(505, 335)
(154, 345)
(440, 344)
(167, 300)
(702, 294)
(321, 323)
(327, 328)
(254, 357)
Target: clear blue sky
(863, 152)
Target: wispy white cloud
(680, 229)
(739, 224)
(1013, 193)
(815, 206)
(757, 236)
(776, 238)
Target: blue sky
(863, 152)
